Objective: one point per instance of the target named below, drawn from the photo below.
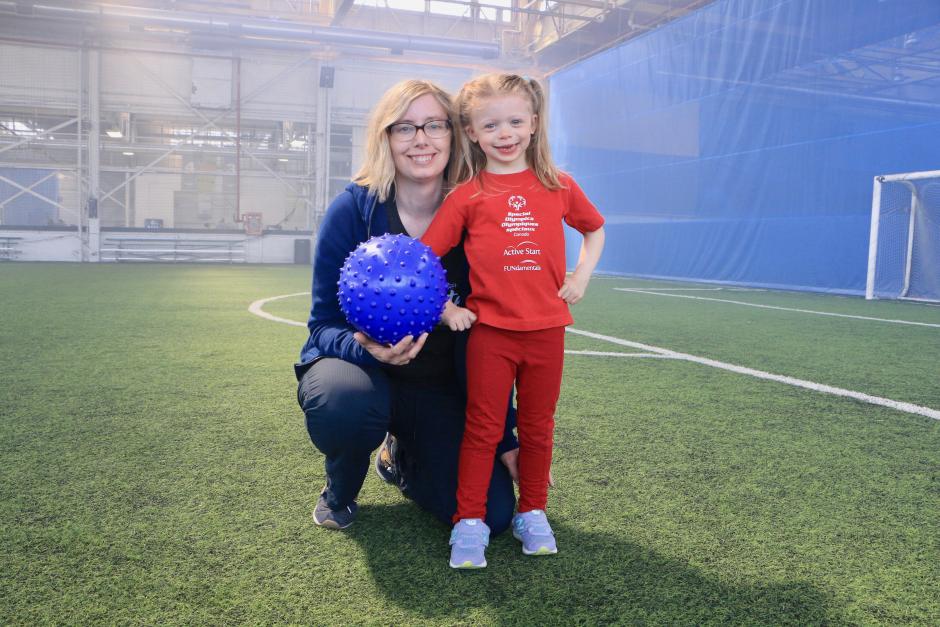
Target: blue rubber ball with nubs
(392, 286)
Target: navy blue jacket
(352, 218)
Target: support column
(309, 169)
(79, 169)
(321, 156)
(129, 200)
(94, 162)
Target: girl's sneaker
(468, 542)
(533, 530)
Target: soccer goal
(904, 245)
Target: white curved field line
(760, 374)
(256, 309)
(809, 311)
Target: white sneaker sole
(468, 565)
(542, 550)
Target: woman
(353, 390)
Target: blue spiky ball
(392, 286)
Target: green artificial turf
(156, 469)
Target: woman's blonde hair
(538, 155)
(378, 167)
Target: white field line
(910, 408)
(689, 289)
(605, 354)
(760, 374)
(809, 311)
(256, 308)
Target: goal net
(904, 246)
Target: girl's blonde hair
(378, 167)
(538, 155)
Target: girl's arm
(445, 233)
(457, 318)
(572, 290)
(447, 227)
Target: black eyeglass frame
(420, 127)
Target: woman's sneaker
(334, 518)
(533, 530)
(386, 461)
(468, 542)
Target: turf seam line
(809, 311)
(760, 374)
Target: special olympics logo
(516, 202)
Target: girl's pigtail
(539, 153)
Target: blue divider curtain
(738, 144)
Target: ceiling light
(282, 159)
(127, 153)
(114, 133)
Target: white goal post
(904, 241)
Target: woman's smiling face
(421, 158)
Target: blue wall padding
(738, 144)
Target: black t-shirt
(435, 362)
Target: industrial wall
(155, 135)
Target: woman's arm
(341, 231)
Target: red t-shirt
(515, 244)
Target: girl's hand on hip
(397, 355)
(572, 290)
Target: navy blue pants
(349, 409)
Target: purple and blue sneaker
(468, 542)
(533, 530)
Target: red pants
(496, 359)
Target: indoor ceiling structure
(903, 69)
(544, 35)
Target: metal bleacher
(165, 250)
(9, 247)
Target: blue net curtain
(738, 144)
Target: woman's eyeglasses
(404, 131)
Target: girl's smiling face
(503, 127)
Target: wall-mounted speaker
(326, 76)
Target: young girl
(510, 209)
